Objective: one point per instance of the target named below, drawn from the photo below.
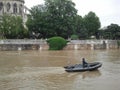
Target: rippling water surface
(43, 70)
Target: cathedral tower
(13, 7)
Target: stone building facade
(13, 7)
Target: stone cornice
(14, 0)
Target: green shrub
(118, 42)
(56, 43)
(74, 37)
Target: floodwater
(43, 70)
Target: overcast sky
(107, 10)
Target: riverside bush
(118, 42)
(74, 37)
(56, 43)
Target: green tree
(61, 15)
(112, 32)
(12, 27)
(92, 23)
(80, 29)
(55, 18)
(37, 22)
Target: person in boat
(84, 63)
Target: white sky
(107, 10)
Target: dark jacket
(84, 62)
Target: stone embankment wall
(92, 44)
(23, 44)
(26, 44)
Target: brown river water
(43, 70)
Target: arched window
(20, 9)
(1, 6)
(8, 6)
(15, 8)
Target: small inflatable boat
(80, 67)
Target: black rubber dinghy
(80, 68)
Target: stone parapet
(33, 44)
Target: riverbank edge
(38, 44)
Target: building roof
(13, 0)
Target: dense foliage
(56, 43)
(92, 24)
(55, 18)
(80, 29)
(111, 32)
(59, 18)
(74, 37)
(12, 27)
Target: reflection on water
(43, 70)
